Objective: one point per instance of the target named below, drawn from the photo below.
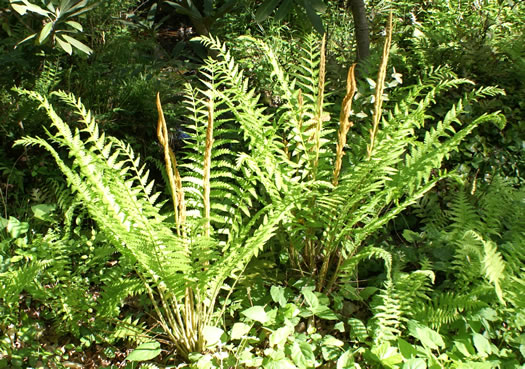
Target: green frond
(399, 301)
(445, 308)
(388, 319)
(493, 266)
(369, 252)
(114, 295)
(105, 183)
(14, 281)
(463, 214)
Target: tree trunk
(362, 32)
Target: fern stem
(320, 100)
(165, 326)
(300, 122)
(335, 274)
(324, 270)
(207, 166)
(380, 85)
(344, 123)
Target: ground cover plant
(269, 214)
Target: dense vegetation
(262, 184)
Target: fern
(182, 275)
(388, 314)
(486, 264)
(398, 302)
(445, 308)
(333, 216)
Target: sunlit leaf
(44, 33)
(77, 44)
(212, 335)
(239, 330)
(75, 25)
(145, 352)
(256, 313)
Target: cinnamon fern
(343, 190)
(248, 173)
(183, 272)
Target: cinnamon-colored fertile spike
(344, 123)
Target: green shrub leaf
(482, 344)
(407, 350)
(239, 330)
(212, 335)
(428, 337)
(44, 33)
(302, 354)
(145, 352)
(416, 363)
(256, 313)
(77, 44)
(265, 10)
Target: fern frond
(103, 183)
(388, 319)
(493, 266)
(445, 308)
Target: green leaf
(330, 353)
(191, 11)
(357, 329)
(16, 228)
(346, 361)
(317, 5)
(265, 10)
(407, 350)
(256, 313)
(284, 10)
(278, 295)
(44, 33)
(145, 352)
(411, 236)
(280, 336)
(64, 45)
(239, 330)
(465, 347)
(332, 341)
(20, 9)
(388, 355)
(310, 297)
(77, 44)
(36, 9)
(281, 363)
(302, 354)
(324, 312)
(416, 363)
(493, 266)
(25, 39)
(314, 17)
(367, 292)
(43, 211)
(75, 25)
(340, 327)
(427, 336)
(212, 335)
(481, 344)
